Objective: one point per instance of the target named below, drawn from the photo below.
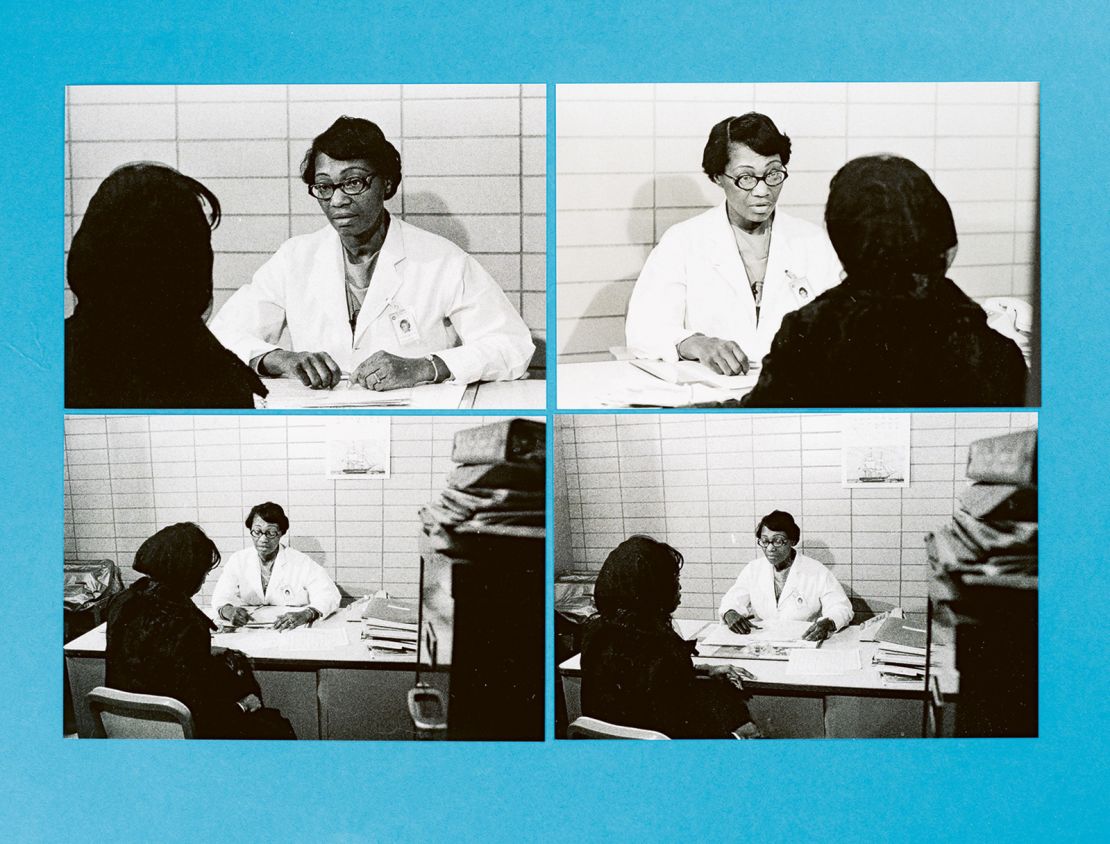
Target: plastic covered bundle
(89, 585)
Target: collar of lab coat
(725, 258)
(256, 569)
(384, 283)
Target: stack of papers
(389, 626)
(901, 655)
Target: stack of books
(901, 653)
(389, 626)
(497, 488)
(993, 533)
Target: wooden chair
(594, 728)
(119, 714)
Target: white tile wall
(129, 476)
(473, 162)
(629, 167)
(702, 481)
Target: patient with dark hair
(895, 332)
(160, 643)
(140, 266)
(636, 670)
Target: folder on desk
(692, 372)
(387, 612)
(902, 635)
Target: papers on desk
(822, 661)
(284, 641)
(265, 616)
(664, 395)
(785, 633)
(774, 640)
(288, 393)
(692, 372)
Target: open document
(693, 372)
(288, 393)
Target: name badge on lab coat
(800, 288)
(294, 596)
(404, 326)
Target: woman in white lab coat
(271, 574)
(369, 296)
(717, 286)
(786, 585)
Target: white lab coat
(811, 591)
(296, 581)
(460, 313)
(694, 282)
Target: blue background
(335, 792)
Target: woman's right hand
(250, 703)
(317, 370)
(236, 615)
(723, 356)
(737, 623)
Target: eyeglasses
(269, 534)
(747, 181)
(777, 542)
(352, 187)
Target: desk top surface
(257, 644)
(771, 674)
(617, 383)
(287, 394)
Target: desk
(598, 383)
(854, 705)
(341, 693)
(286, 393)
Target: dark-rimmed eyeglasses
(777, 542)
(269, 534)
(352, 187)
(747, 181)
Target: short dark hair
(886, 218)
(144, 247)
(781, 522)
(270, 513)
(754, 130)
(179, 557)
(349, 138)
(638, 578)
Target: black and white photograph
(219, 583)
(715, 579)
(290, 246)
(791, 245)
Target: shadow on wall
(309, 545)
(863, 608)
(438, 218)
(599, 323)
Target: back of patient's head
(639, 577)
(178, 557)
(143, 253)
(886, 218)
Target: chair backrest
(119, 714)
(594, 728)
